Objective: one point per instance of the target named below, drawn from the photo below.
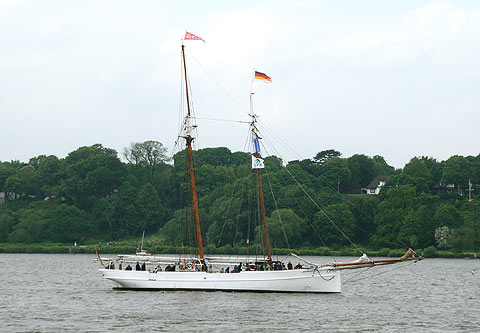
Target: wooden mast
(189, 140)
(259, 179)
(262, 207)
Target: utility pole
(470, 185)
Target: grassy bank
(129, 248)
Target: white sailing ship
(213, 273)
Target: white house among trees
(375, 185)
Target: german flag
(262, 76)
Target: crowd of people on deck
(277, 266)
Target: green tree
(273, 163)
(334, 171)
(7, 221)
(91, 173)
(418, 228)
(122, 215)
(284, 223)
(363, 210)
(471, 215)
(6, 170)
(152, 211)
(462, 239)
(226, 214)
(420, 174)
(434, 167)
(172, 230)
(323, 156)
(294, 198)
(150, 153)
(420, 185)
(424, 227)
(223, 232)
(68, 224)
(458, 170)
(362, 169)
(399, 202)
(181, 230)
(21, 182)
(381, 167)
(48, 174)
(209, 177)
(447, 215)
(30, 227)
(325, 223)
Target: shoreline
(429, 252)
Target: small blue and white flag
(256, 146)
(257, 163)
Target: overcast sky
(392, 78)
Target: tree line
(92, 195)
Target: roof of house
(439, 185)
(374, 183)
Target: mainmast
(188, 138)
(256, 138)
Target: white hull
(320, 280)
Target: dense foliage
(92, 195)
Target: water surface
(65, 292)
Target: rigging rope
(181, 111)
(324, 213)
(278, 213)
(241, 200)
(321, 209)
(306, 216)
(313, 228)
(232, 198)
(218, 84)
(226, 214)
(359, 273)
(288, 148)
(259, 218)
(380, 273)
(249, 222)
(321, 179)
(225, 120)
(236, 224)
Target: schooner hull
(301, 280)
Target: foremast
(256, 145)
(189, 139)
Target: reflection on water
(65, 292)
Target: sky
(392, 78)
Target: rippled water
(61, 292)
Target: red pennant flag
(190, 36)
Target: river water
(65, 292)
